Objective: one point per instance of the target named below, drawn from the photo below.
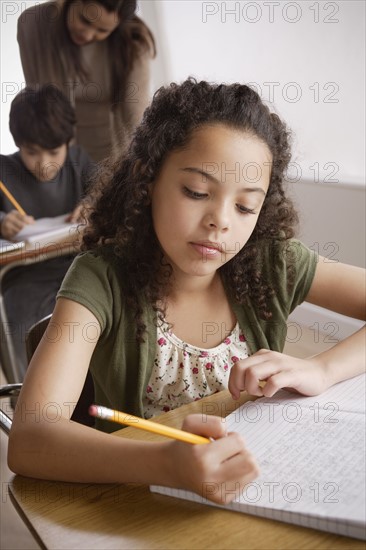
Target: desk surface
(39, 251)
(71, 515)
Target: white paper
(311, 454)
(45, 229)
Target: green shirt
(121, 367)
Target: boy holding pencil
(46, 177)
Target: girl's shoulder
(93, 281)
(288, 266)
(276, 255)
(101, 261)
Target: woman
(98, 53)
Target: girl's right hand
(13, 223)
(217, 471)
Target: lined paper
(46, 228)
(9, 246)
(311, 454)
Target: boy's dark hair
(42, 116)
(120, 205)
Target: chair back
(8, 390)
(81, 412)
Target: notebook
(44, 229)
(311, 454)
(9, 246)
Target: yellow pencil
(12, 200)
(123, 418)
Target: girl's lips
(206, 250)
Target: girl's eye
(194, 194)
(245, 210)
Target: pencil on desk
(11, 198)
(160, 429)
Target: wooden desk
(69, 515)
(40, 251)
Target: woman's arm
(44, 443)
(138, 96)
(340, 288)
(27, 40)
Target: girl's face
(88, 21)
(207, 198)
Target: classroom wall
(305, 58)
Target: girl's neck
(188, 286)
(200, 314)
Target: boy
(48, 178)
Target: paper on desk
(46, 228)
(8, 246)
(311, 454)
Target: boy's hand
(218, 470)
(76, 215)
(306, 376)
(13, 223)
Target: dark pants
(29, 295)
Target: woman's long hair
(125, 44)
(119, 205)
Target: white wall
(307, 58)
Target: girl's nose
(218, 218)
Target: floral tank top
(183, 373)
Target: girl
(188, 268)
(98, 53)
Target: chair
(86, 398)
(9, 390)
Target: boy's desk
(38, 252)
(71, 515)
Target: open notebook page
(311, 453)
(46, 228)
(9, 246)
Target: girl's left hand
(307, 376)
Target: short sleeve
(290, 269)
(89, 282)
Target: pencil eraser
(93, 410)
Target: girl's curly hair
(119, 205)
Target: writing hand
(13, 222)
(219, 470)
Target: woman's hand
(218, 470)
(13, 223)
(306, 376)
